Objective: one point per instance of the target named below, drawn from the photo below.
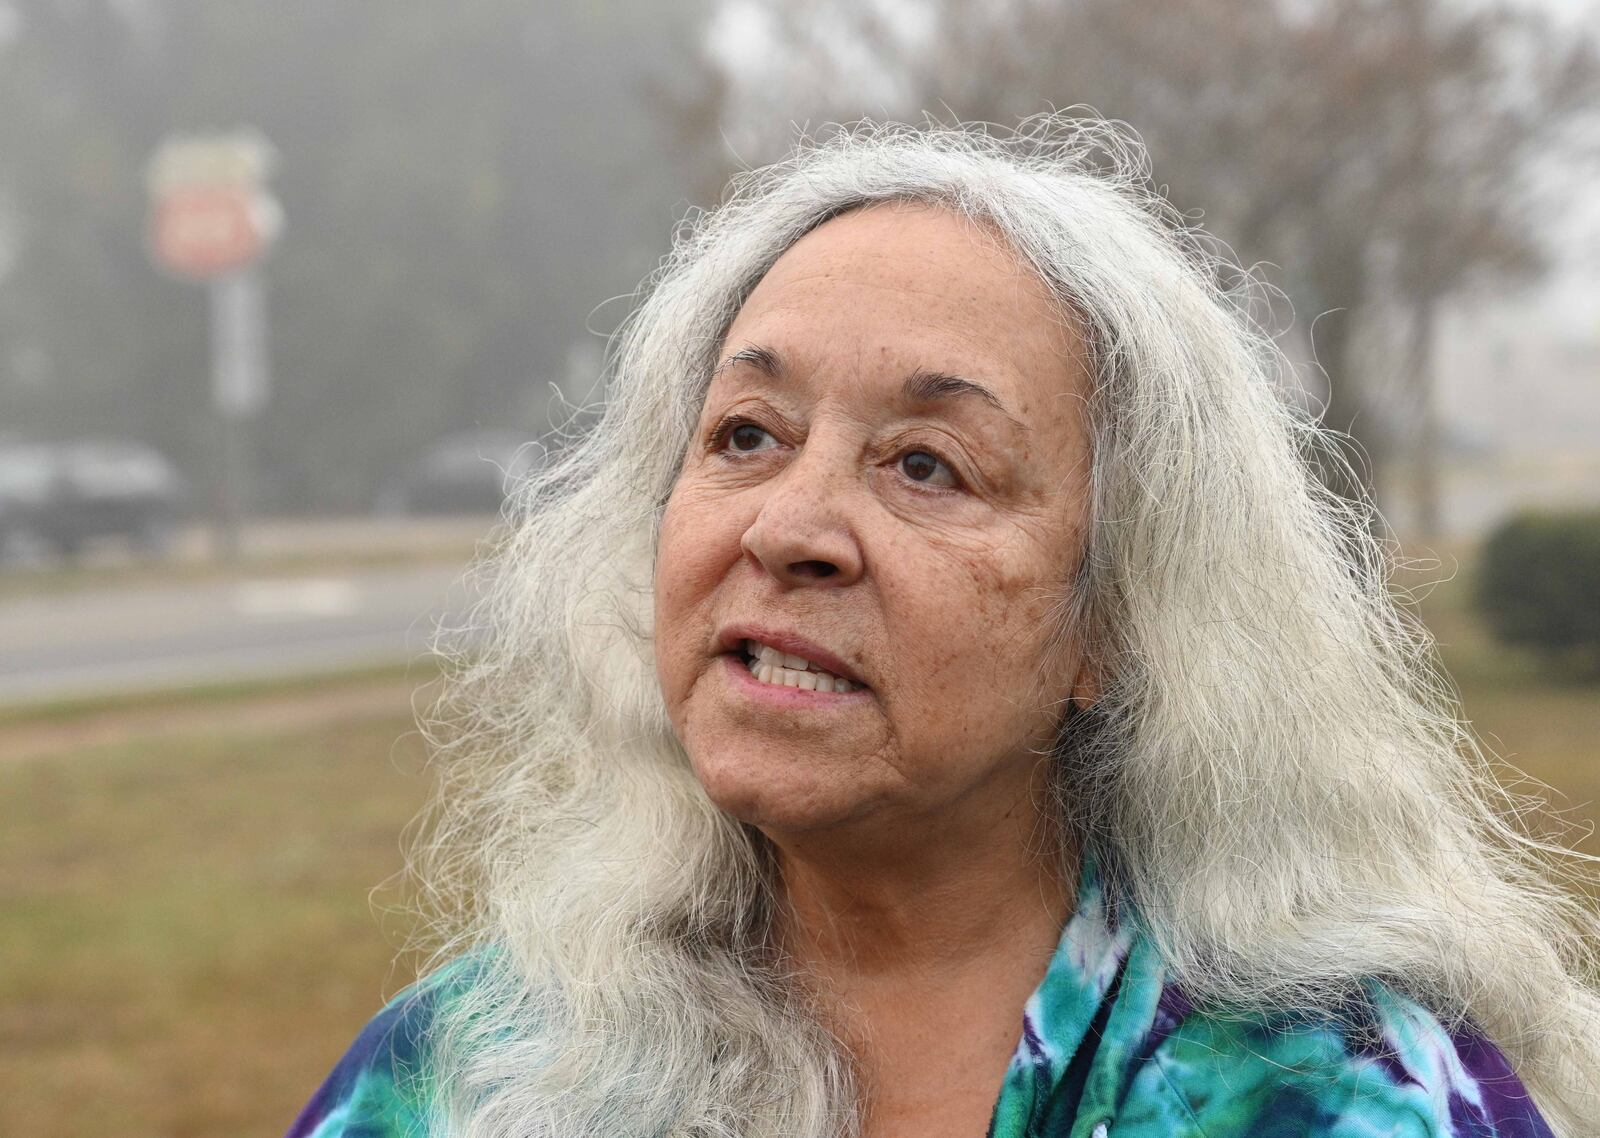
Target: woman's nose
(802, 533)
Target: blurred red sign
(209, 230)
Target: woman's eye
(746, 438)
(920, 466)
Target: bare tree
(1381, 155)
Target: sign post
(212, 221)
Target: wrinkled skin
(936, 590)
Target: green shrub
(1539, 586)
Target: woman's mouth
(770, 666)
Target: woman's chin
(778, 797)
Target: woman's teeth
(771, 666)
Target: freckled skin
(939, 601)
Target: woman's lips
(785, 669)
(733, 638)
(781, 696)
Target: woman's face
(888, 483)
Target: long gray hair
(1274, 774)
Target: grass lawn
(186, 940)
(187, 937)
(1539, 725)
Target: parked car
(63, 495)
(463, 473)
(26, 473)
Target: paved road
(126, 639)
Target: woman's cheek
(698, 548)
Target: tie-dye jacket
(1108, 1050)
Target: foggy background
(470, 197)
(214, 610)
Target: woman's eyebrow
(765, 360)
(921, 386)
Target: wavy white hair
(1275, 775)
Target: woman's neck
(883, 896)
(922, 915)
(923, 958)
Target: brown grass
(1541, 728)
(186, 940)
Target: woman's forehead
(902, 289)
(923, 252)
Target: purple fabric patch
(1507, 1108)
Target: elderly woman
(938, 698)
